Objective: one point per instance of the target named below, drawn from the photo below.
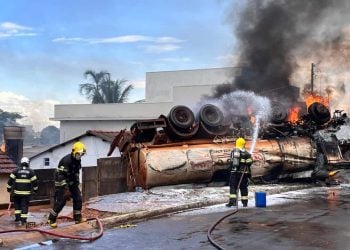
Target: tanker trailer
(173, 149)
(197, 161)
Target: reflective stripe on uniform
(33, 178)
(245, 172)
(22, 181)
(18, 211)
(232, 196)
(244, 198)
(76, 212)
(53, 213)
(60, 183)
(61, 169)
(22, 192)
(249, 160)
(35, 188)
(12, 176)
(24, 215)
(8, 186)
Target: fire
(311, 98)
(294, 114)
(3, 148)
(251, 115)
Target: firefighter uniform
(67, 181)
(241, 161)
(21, 183)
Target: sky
(47, 45)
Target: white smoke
(240, 103)
(36, 113)
(343, 133)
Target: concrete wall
(76, 119)
(160, 85)
(4, 195)
(163, 91)
(96, 148)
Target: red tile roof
(6, 164)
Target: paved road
(311, 219)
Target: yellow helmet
(240, 143)
(78, 147)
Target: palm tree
(93, 89)
(114, 91)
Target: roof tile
(6, 164)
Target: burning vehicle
(187, 147)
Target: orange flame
(294, 114)
(251, 115)
(311, 98)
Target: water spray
(255, 133)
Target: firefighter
(67, 181)
(21, 183)
(241, 161)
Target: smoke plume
(274, 37)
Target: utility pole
(312, 77)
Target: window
(46, 161)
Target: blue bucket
(260, 199)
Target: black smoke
(271, 35)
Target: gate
(89, 182)
(46, 185)
(109, 177)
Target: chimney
(13, 136)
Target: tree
(8, 118)
(113, 91)
(105, 90)
(92, 89)
(50, 135)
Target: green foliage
(102, 89)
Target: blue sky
(47, 45)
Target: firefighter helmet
(78, 147)
(25, 161)
(240, 143)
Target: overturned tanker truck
(186, 148)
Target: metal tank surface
(186, 148)
(167, 165)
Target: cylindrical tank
(13, 136)
(196, 162)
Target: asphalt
(124, 208)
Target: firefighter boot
(18, 219)
(80, 220)
(232, 202)
(23, 222)
(52, 223)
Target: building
(97, 146)
(163, 91)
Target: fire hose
(212, 227)
(62, 235)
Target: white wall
(76, 119)
(163, 91)
(160, 85)
(96, 148)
